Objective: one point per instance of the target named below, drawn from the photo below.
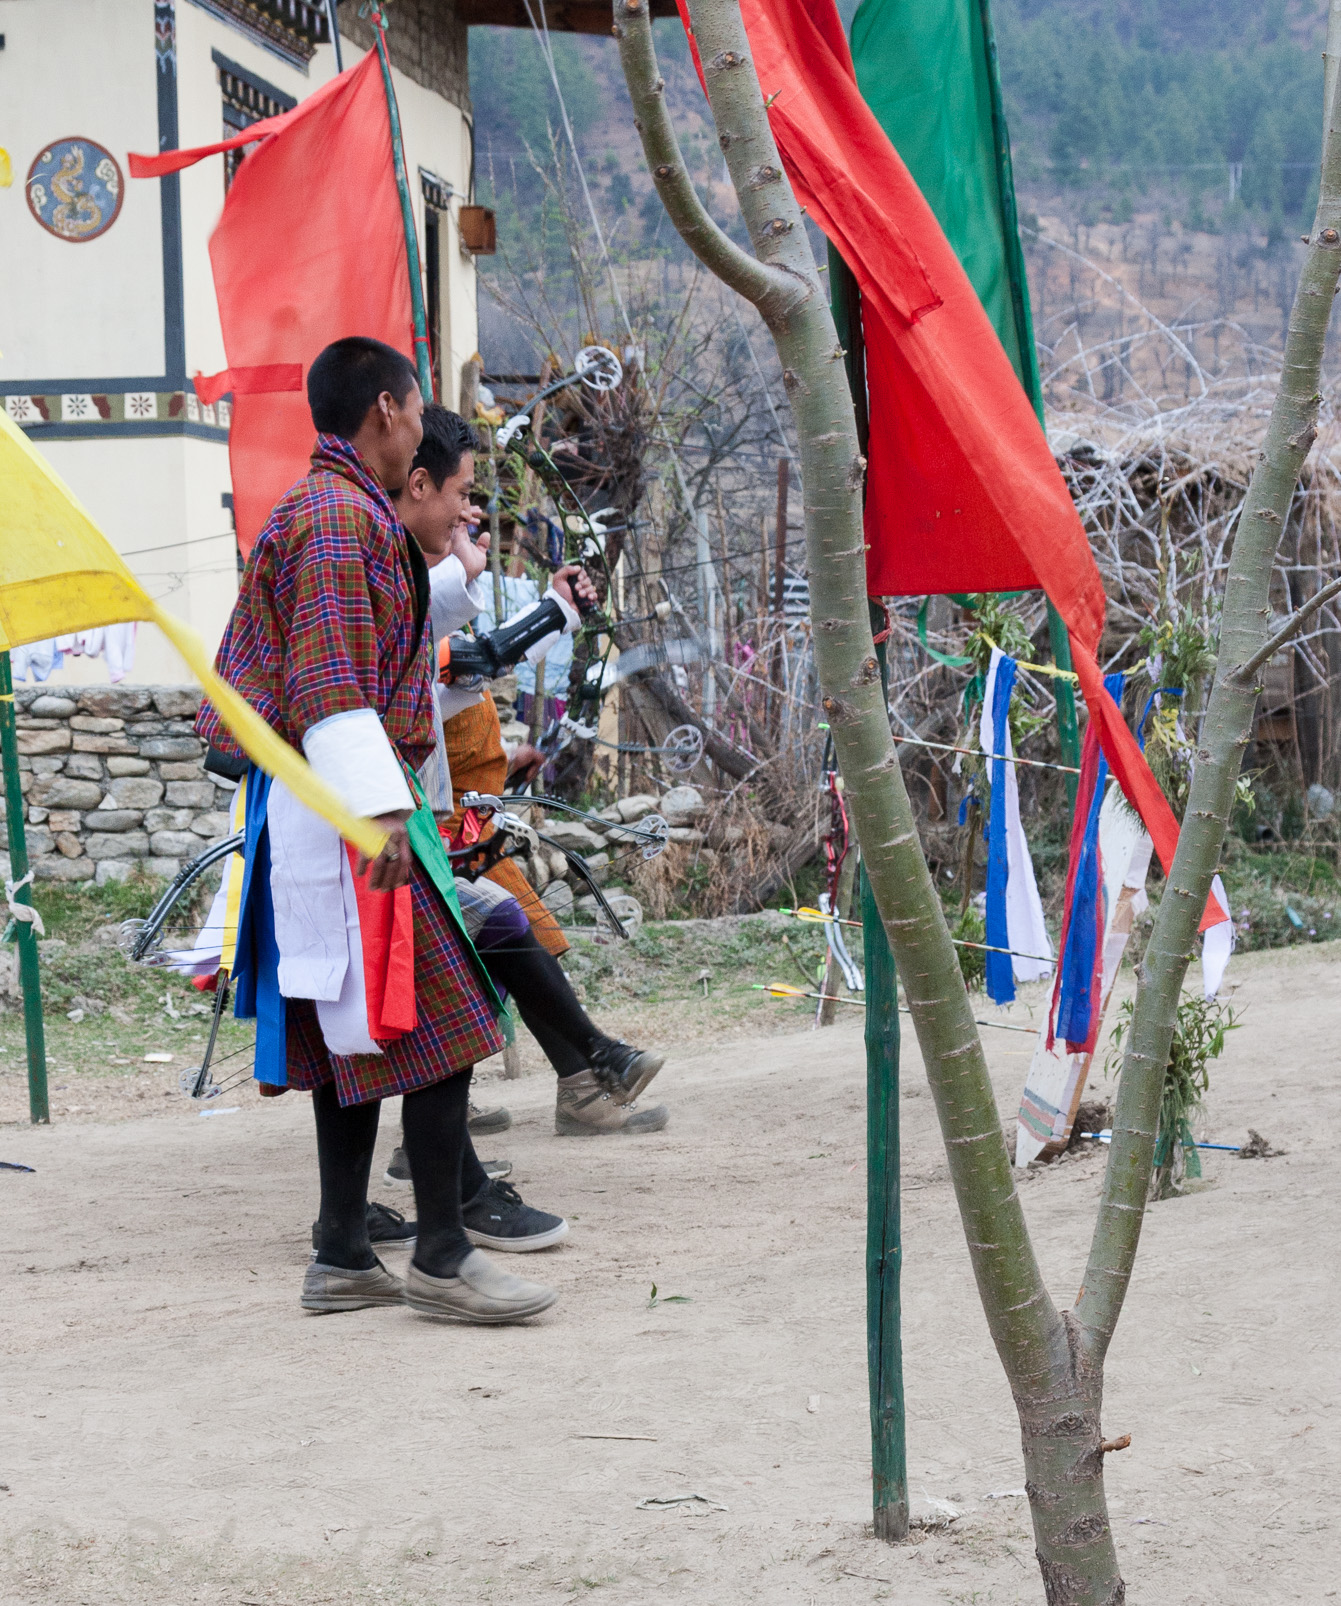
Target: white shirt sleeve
(353, 754)
(452, 602)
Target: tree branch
(1225, 730)
(755, 280)
(1246, 673)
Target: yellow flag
(59, 573)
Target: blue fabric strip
(1088, 914)
(1000, 976)
(256, 993)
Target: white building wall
(159, 498)
(95, 308)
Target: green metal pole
(422, 356)
(884, 1240)
(884, 1245)
(39, 1110)
(1068, 730)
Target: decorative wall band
(134, 406)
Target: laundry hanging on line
(42, 659)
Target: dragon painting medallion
(75, 189)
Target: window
(246, 100)
(437, 194)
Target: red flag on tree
(310, 248)
(962, 490)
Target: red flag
(310, 247)
(962, 490)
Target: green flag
(928, 70)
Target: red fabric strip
(386, 928)
(264, 380)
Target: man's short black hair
(348, 377)
(447, 437)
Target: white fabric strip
(1217, 943)
(306, 856)
(1026, 930)
(352, 753)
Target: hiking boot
(584, 1109)
(496, 1218)
(397, 1173)
(624, 1071)
(332, 1288)
(480, 1292)
(495, 1120)
(386, 1227)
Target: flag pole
(1068, 729)
(422, 358)
(333, 22)
(884, 1229)
(25, 936)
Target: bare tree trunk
(1054, 1360)
(1059, 1410)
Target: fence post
(39, 1110)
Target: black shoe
(495, 1120)
(386, 1227)
(624, 1071)
(496, 1218)
(397, 1173)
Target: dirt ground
(175, 1428)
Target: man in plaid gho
(328, 642)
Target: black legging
(443, 1162)
(545, 1000)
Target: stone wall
(114, 781)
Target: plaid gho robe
(325, 623)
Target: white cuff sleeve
(572, 619)
(452, 601)
(547, 644)
(352, 754)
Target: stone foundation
(114, 781)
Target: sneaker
(495, 1120)
(332, 1288)
(397, 1173)
(624, 1071)
(386, 1227)
(584, 1109)
(496, 1218)
(480, 1292)
(389, 1229)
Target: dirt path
(176, 1430)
